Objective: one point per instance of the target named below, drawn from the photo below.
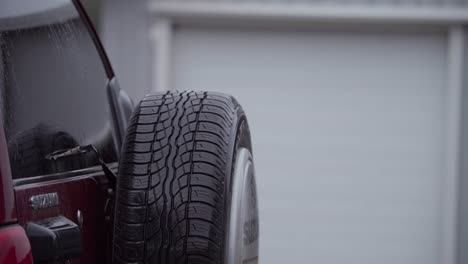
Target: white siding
(349, 133)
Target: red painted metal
(7, 199)
(86, 193)
(82, 193)
(14, 246)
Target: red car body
(7, 199)
(84, 196)
(14, 244)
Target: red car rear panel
(80, 193)
(7, 199)
(83, 191)
(15, 248)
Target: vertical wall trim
(161, 37)
(452, 174)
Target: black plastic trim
(121, 109)
(55, 239)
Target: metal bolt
(79, 217)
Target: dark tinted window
(53, 87)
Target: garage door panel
(348, 133)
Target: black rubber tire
(173, 191)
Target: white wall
(348, 132)
(463, 187)
(124, 31)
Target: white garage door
(349, 134)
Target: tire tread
(172, 179)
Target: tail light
(14, 246)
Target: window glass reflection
(53, 88)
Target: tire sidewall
(242, 139)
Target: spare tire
(186, 189)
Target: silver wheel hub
(243, 226)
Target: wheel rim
(242, 237)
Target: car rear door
(53, 97)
